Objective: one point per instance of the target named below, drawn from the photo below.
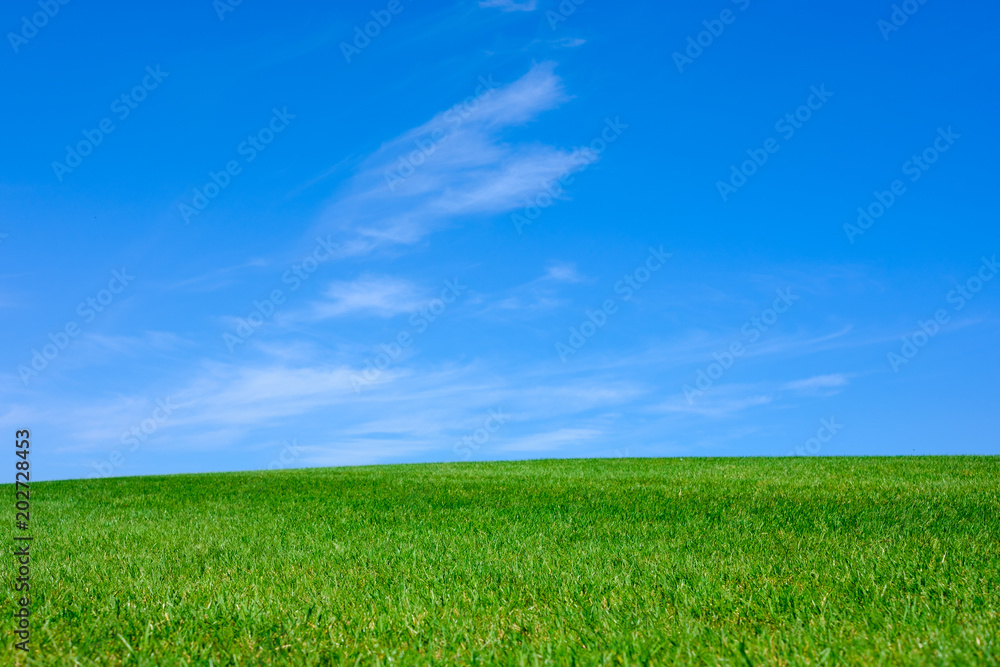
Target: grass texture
(793, 561)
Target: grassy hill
(657, 561)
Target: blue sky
(251, 236)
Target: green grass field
(606, 562)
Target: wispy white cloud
(510, 5)
(727, 399)
(218, 278)
(382, 296)
(722, 401)
(365, 451)
(215, 408)
(162, 341)
(455, 165)
(819, 382)
(540, 294)
(563, 272)
(246, 395)
(550, 441)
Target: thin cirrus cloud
(538, 294)
(819, 383)
(379, 296)
(563, 272)
(721, 402)
(550, 441)
(510, 5)
(455, 165)
(727, 399)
